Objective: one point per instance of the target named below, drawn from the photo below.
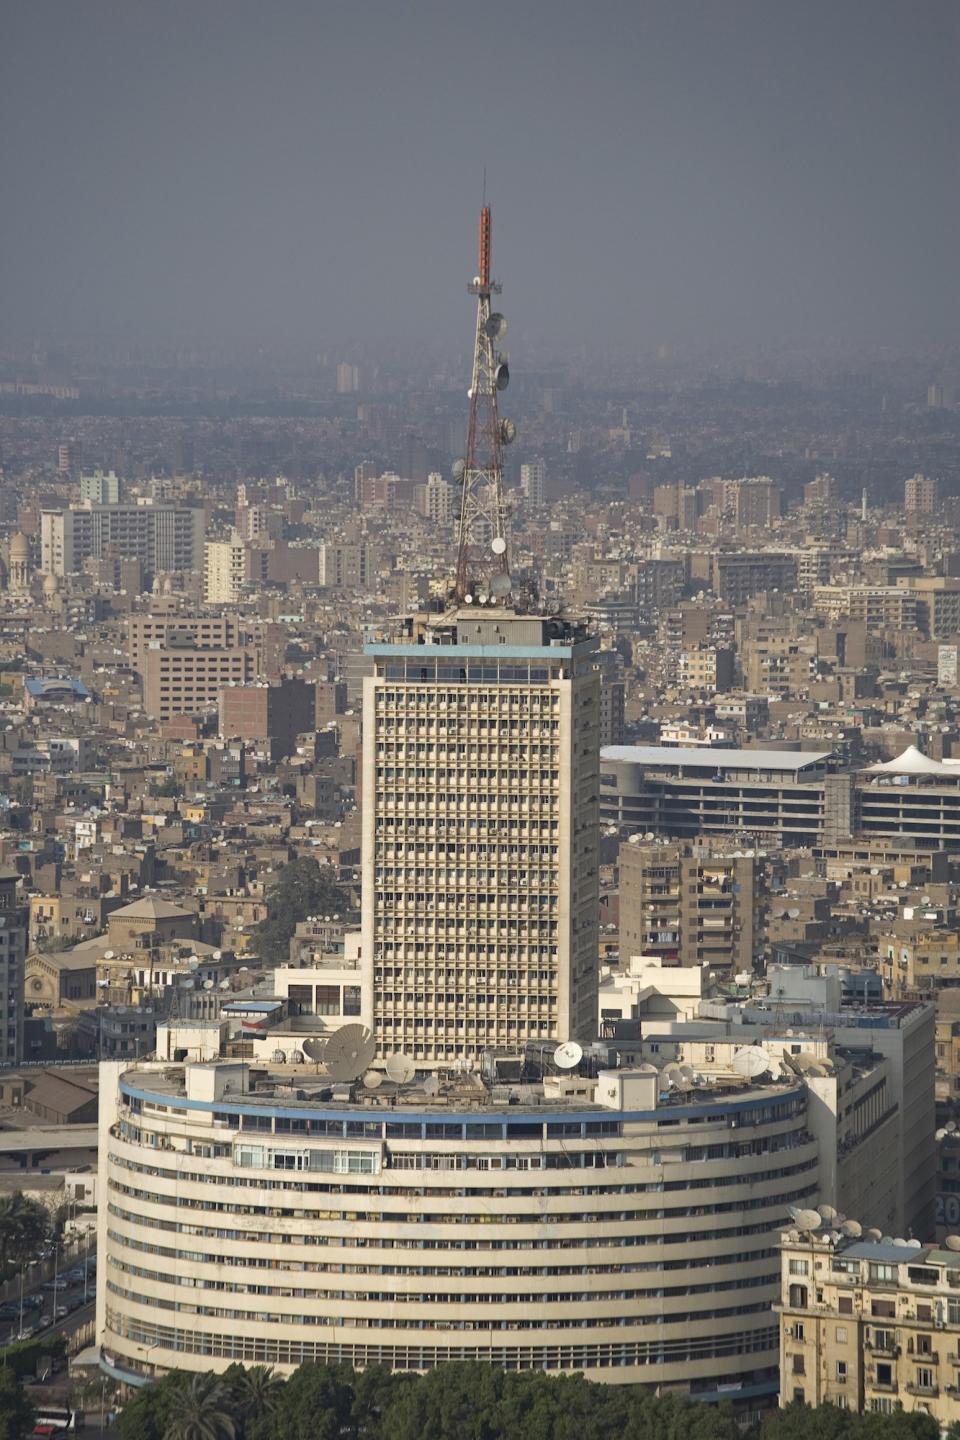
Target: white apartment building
(163, 537)
(228, 568)
(480, 833)
(533, 482)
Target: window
(799, 1267)
(845, 1305)
(799, 1397)
(924, 1378)
(798, 1330)
(882, 1272)
(924, 1312)
(881, 1405)
(840, 1335)
(798, 1365)
(328, 1000)
(842, 1371)
(884, 1373)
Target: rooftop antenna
(483, 564)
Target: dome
(19, 547)
(50, 585)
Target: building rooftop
(716, 759)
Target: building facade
(480, 833)
(163, 537)
(590, 1227)
(870, 1325)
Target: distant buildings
(162, 536)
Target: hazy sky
(658, 168)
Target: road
(39, 1303)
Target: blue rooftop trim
(475, 652)
(543, 1114)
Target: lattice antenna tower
(483, 558)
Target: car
(61, 1312)
(32, 1302)
(59, 1283)
(75, 1302)
(9, 1311)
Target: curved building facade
(605, 1229)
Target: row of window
(460, 1270)
(261, 1350)
(352, 1241)
(381, 1322)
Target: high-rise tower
(481, 794)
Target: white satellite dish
(400, 1068)
(108, 954)
(808, 1219)
(431, 1086)
(852, 1229)
(348, 1052)
(279, 1057)
(751, 1062)
(498, 545)
(828, 1212)
(874, 1234)
(373, 1079)
(568, 1055)
(208, 984)
(224, 985)
(952, 1242)
(218, 954)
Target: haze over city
(308, 172)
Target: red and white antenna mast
(483, 560)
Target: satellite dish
(400, 1068)
(349, 1051)
(218, 954)
(952, 1242)
(828, 1212)
(431, 1086)
(502, 375)
(108, 954)
(208, 984)
(496, 325)
(751, 1062)
(686, 1076)
(500, 585)
(279, 1057)
(373, 1079)
(808, 1219)
(568, 1055)
(314, 1048)
(498, 545)
(852, 1229)
(187, 984)
(508, 432)
(224, 984)
(874, 1234)
(914, 1244)
(459, 466)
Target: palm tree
(200, 1411)
(256, 1392)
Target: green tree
(147, 1414)
(301, 888)
(200, 1410)
(255, 1395)
(170, 788)
(24, 1225)
(316, 1404)
(16, 1412)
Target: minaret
(18, 572)
(483, 561)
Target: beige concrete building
(480, 830)
(592, 1226)
(870, 1325)
(689, 904)
(230, 567)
